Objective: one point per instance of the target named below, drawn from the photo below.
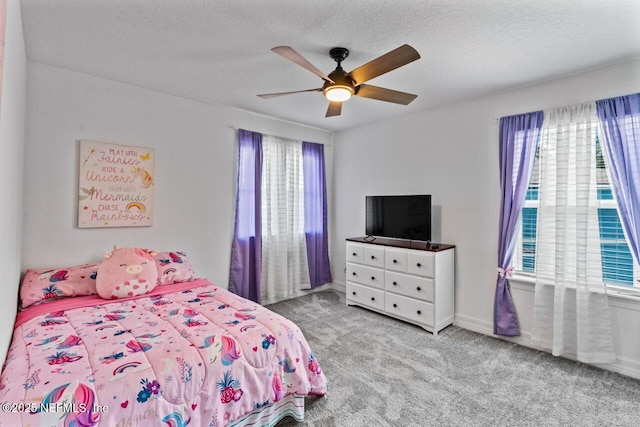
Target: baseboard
(473, 324)
(486, 328)
(623, 365)
(338, 286)
(300, 293)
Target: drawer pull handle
(373, 257)
(419, 265)
(373, 299)
(355, 254)
(395, 283)
(354, 273)
(419, 312)
(354, 292)
(395, 261)
(395, 305)
(373, 278)
(418, 288)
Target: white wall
(452, 154)
(195, 168)
(12, 123)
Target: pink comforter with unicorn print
(190, 353)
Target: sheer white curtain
(285, 268)
(571, 313)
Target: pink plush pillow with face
(173, 267)
(126, 272)
(54, 283)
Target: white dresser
(412, 284)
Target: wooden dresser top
(400, 243)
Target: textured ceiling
(218, 51)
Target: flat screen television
(400, 217)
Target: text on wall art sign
(115, 185)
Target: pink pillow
(173, 267)
(50, 284)
(126, 272)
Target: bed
(187, 353)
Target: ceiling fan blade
(385, 63)
(273, 95)
(335, 108)
(293, 56)
(382, 94)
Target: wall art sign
(115, 185)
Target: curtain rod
(569, 105)
(276, 136)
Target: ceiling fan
(339, 85)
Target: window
(281, 210)
(618, 267)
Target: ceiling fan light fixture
(338, 93)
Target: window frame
(518, 259)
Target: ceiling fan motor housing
(340, 78)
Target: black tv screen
(401, 217)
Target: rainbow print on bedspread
(200, 356)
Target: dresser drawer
(374, 256)
(362, 274)
(365, 295)
(395, 259)
(420, 263)
(413, 310)
(411, 286)
(355, 253)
